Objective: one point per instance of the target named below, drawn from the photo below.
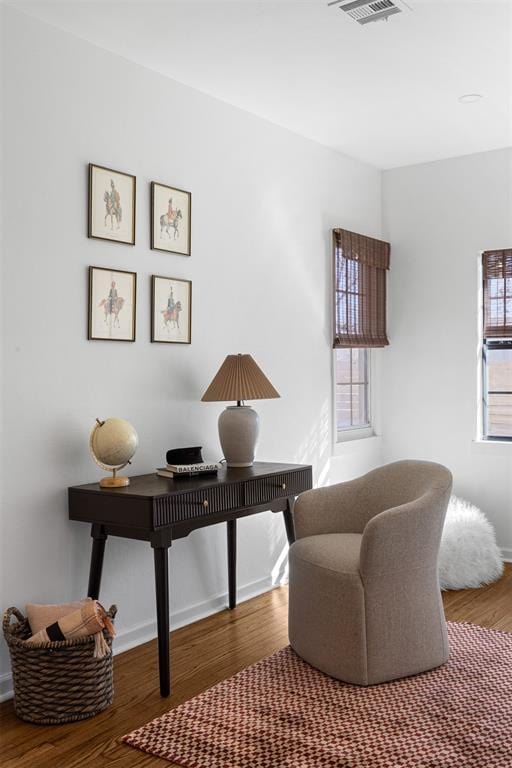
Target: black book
(184, 456)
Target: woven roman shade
(360, 265)
(240, 378)
(497, 278)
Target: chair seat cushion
(334, 551)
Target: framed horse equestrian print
(171, 219)
(112, 304)
(111, 205)
(171, 310)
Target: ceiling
(386, 93)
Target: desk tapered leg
(98, 550)
(162, 617)
(288, 520)
(232, 562)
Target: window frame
(348, 434)
(491, 344)
(482, 388)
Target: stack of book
(189, 470)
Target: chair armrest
(341, 508)
(404, 538)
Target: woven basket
(57, 682)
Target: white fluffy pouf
(469, 555)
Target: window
(352, 389)
(497, 344)
(360, 265)
(498, 390)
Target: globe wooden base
(114, 482)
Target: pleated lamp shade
(239, 378)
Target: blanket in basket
(90, 618)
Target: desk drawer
(264, 489)
(189, 506)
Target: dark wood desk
(159, 510)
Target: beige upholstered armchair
(365, 605)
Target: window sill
(354, 433)
(342, 446)
(503, 447)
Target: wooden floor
(202, 654)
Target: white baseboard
(141, 633)
(5, 687)
(507, 554)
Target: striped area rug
(282, 713)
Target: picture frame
(112, 311)
(112, 205)
(171, 219)
(171, 310)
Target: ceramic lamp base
(238, 433)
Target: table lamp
(239, 378)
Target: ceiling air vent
(364, 11)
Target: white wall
(439, 216)
(264, 201)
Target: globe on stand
(113, 443)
